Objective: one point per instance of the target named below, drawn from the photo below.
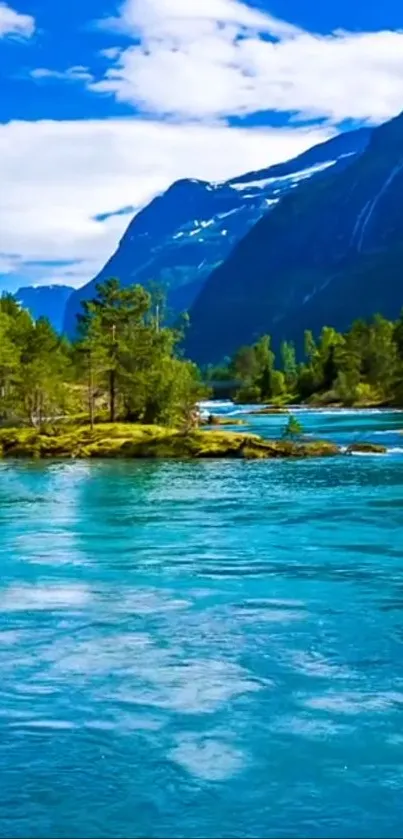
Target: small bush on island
(293, 429)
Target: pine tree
(289, 364)
(265, 367)
(133, 354)
(41, 387)
(9, 363)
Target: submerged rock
(366, 448)
(142, 441)
(213, 419)
(271, 409)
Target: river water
(205, 649)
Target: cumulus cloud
(65, 185)
(60, 178)
(212, 59)
(14, 23)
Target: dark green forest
(363, 366)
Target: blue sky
(103, 104)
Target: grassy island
(122, 440)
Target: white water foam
(367, 454)
(389, 450)
(216, 403)
(347, 411)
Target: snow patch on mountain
(198, 223)
(285, 179)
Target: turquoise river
(205, 649)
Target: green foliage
(278, 385)
(346, 387)
(289, 365)
(265, 366)
(359, 367)
(132, 357)
(244, 365)
(255, 368)
(248, 394)
(126, 364)
(293, 429)
(34, 368)
(125, 361)
(398, 336)
(363, 366)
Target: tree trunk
(112, 396)
(91, 396)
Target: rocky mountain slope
(45, 301)
(181, 237)
(330, 251)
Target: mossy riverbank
(142, 441)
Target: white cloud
(210, 59)
(72, 74)
(111, 52)
(13, 23)
(56, 176)
(166, 18)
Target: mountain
(181, 237)
(328, 253)
(45, 301)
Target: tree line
(361, 366)
(124, 364)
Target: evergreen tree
(398, 335)
(9, 363)
(244, 365)
(293, 428)
(105, 325)
(289, 364)
(309, 347)
(41, 387)
(265, 367)
(382, 354)
(133, 354)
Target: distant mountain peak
(182, 236)
(330, 251)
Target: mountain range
(315, 240)
(328, 253)
(183, 236)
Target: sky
(104, 104)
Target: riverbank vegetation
(123, 365)
(363, 366)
